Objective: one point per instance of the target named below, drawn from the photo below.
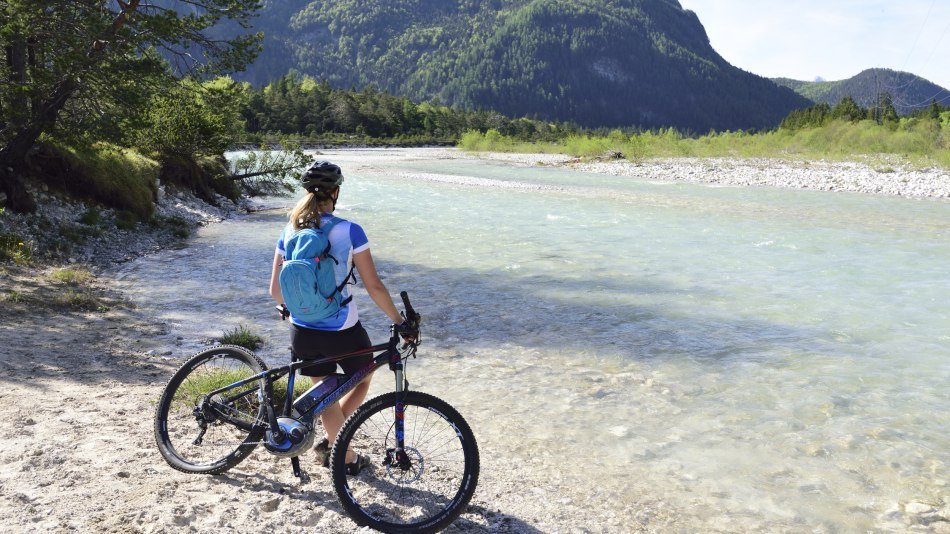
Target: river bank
(881, 175)
(80, 386)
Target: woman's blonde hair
(306, 213)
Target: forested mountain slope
(610, 63)
(907, 91)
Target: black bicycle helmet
(321, 175)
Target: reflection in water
(753, 358)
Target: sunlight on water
(751, 358)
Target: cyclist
(340, 333)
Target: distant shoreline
(881, 176)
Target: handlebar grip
(405, 301)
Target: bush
(178, 226)
(73, 277)
(221, 378)
(13, 248)
(242, 337)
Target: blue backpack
(307, 279)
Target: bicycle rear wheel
(430, 488)
(190, 432)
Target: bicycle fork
(398, 457)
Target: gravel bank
(882, 177)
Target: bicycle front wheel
(421, 491)
(191, 429)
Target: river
(751, 358)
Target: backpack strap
(339, 289)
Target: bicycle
(219, 406)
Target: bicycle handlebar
(411, 316)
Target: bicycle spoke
(438, 465)
(187, 411)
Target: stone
(918, 508)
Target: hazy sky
(833, 39)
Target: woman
(341, 333)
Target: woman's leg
(352, 400)
(335, 415)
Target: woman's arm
(274, 280)
(374, 286)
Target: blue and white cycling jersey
(346, 239)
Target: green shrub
(73, 277)
(79, 300)
(222, 377)
(242, 337)
(91, 217)
(13, 248)
(178, 226)
(925, 142)
(125, 220)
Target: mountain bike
(220, 405)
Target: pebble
(822, 175)
(918, 508)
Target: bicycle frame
(389, 354)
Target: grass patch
(15, 297)
(13, 248)
(73, 277)
(218, 379)
(78, 300)
(91, 217)
(924, 143)
(116, 177)
(242, 337)
(178, 226)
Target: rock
(918, 508)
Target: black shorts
(311, 344)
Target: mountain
(598, 63)
(908, 91)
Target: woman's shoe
(322, 451)
(354, 468)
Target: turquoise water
(749, 358)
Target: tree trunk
(13, 155)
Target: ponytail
(308, 210)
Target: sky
(830, 39)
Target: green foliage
(116, 177)
(14, 248)
(910, 92)
(242, 337)
(178, 226)
(284, 165)
(114, 65)
(220, 378)
(91, 217)
(922, 141)
(207, 176)
(192, 119)
(595, 63)
(301, 106)
(72, 277)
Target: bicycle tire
(176, 419)
(389, 499)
